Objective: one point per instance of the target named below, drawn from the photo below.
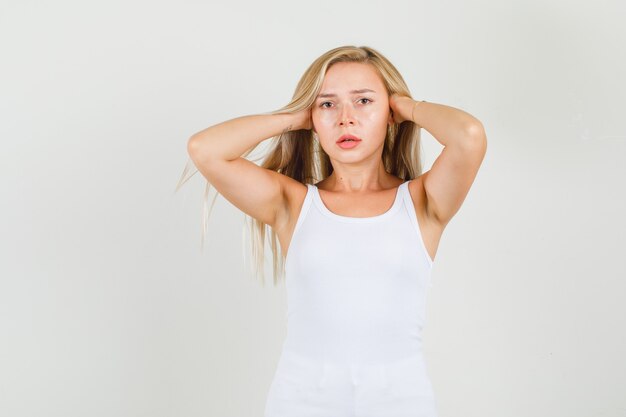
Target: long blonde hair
(298, 155)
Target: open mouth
(348, 138)
(348, 141)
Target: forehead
(345, 76)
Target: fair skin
(359, 185)
(365, 115)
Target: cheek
(324, 119)
(378, 114)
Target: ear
(390, 118)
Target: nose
(346, 116)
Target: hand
(302, 120)
(401, 107)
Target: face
(353, 100)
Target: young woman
(358, 223)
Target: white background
(108, 307)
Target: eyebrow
(363, 90)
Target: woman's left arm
(465, 143)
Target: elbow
(199, 152)
(196, 149)
(192, 146)
(476, 137)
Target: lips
(348, 137)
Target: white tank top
(356, 286)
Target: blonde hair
(298, 155)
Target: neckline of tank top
(326, 211)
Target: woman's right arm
(216, 152)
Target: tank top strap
(308, 198)
(306, 204)
(410, 209)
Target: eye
(328, 102)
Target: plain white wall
(108, 307)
